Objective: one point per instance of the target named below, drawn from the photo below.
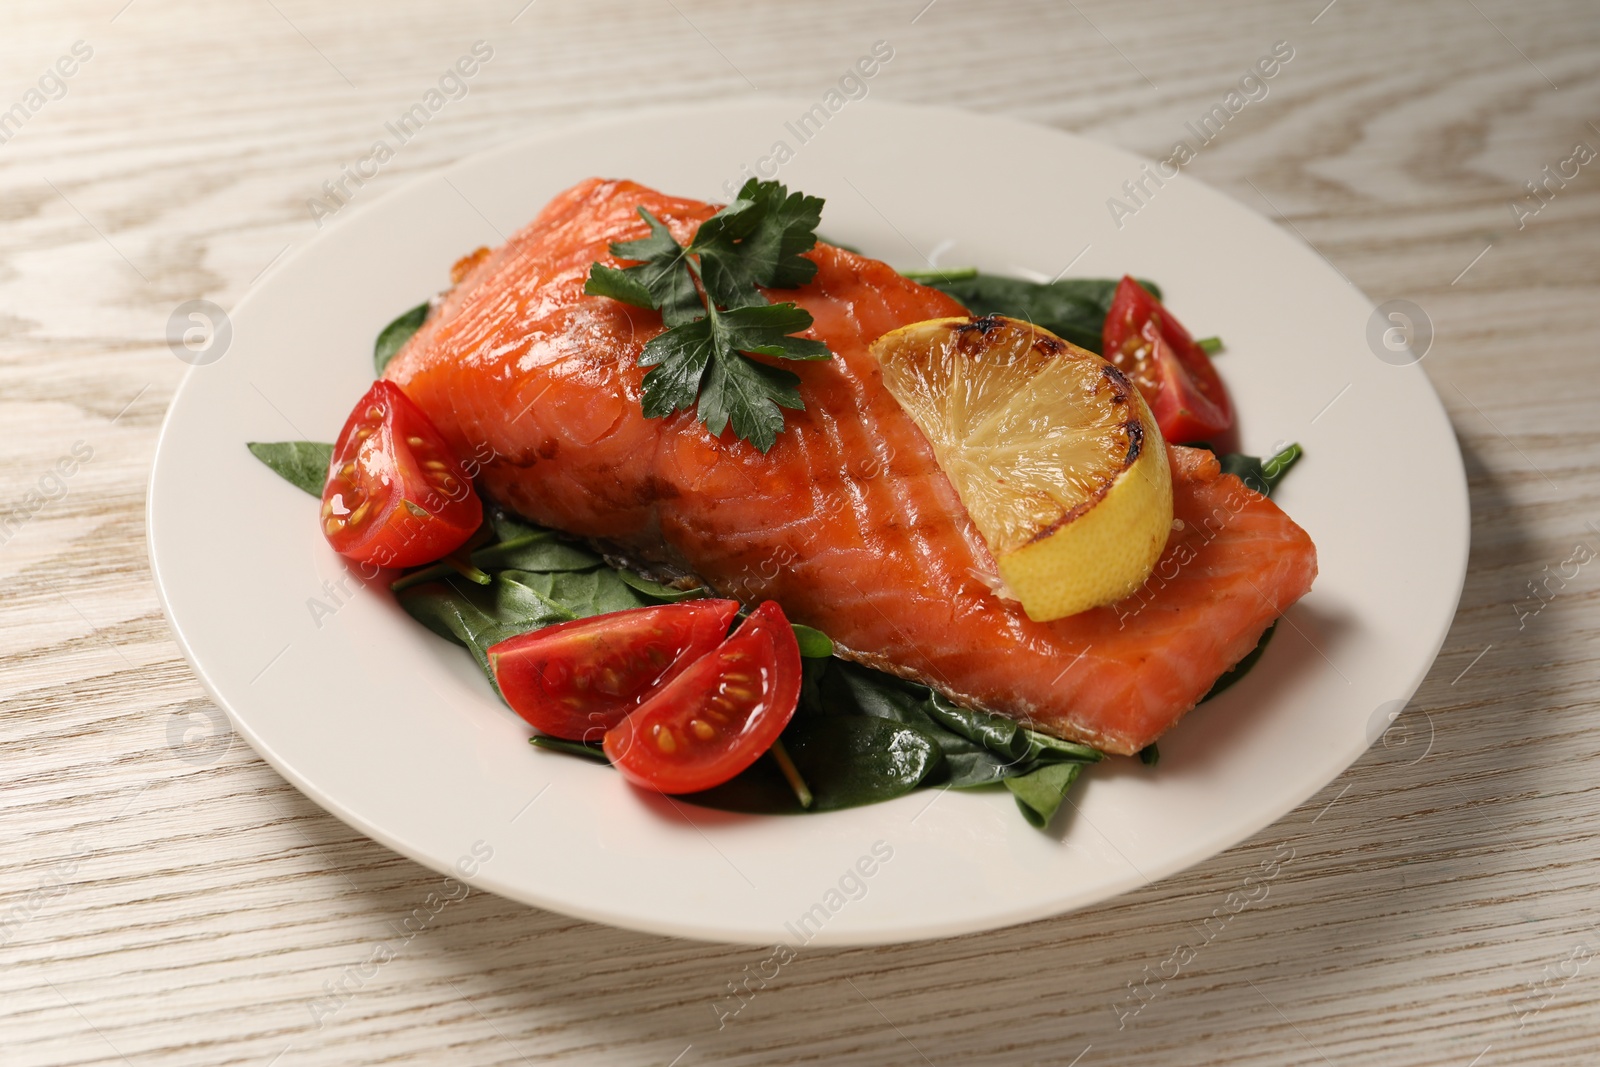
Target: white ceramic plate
(395, 732)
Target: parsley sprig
(710, 299)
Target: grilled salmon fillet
(847, 522)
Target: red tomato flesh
(396, 496)
(718, 716)
(579, 679)
(1144, 341)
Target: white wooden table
(166, 898)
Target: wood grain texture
(166, 898)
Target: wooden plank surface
(165, 898)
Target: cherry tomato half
(1144, 341)
(718, 716)
(396, 496)
(579, 679)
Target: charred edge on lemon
(1123, 389)
(1077, 511)
(984, 326)
(1135, 430)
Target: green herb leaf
(680, 357)
(765, 331)
(757, 241)
(300, 463)
(750, 395)
(661, 279)
(1150, 755)
(394, 336)
(702, 360)
(618, 284)
(1210, 345)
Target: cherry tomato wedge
(1144, 341)
(718, 716)
(396, 495)
(579, 679)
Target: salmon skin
(847, 522)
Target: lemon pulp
(1052, 451)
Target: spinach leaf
(847, 761)
(580, 593)
(478, 616)
(571, 748)
(544, 555)
(394, 336)
(858, 737)
(1238, 670)
(1040, 793)
(1262, 475)
(667, 594)
(1073, 309)
(978, 748)
(300, 463)
(814, 644)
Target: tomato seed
(703, 730)
(665, 741)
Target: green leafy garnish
(935, 276)
(395, 335)
(1210, 345)
(1242, 668)
(1262, 475)
(571, 748)
(666, 594)
(1074, 309)
(717, 318)
(301, 463)
(1039, 794)
(814, 644)
(858, 736)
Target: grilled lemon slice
(1050, 448)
